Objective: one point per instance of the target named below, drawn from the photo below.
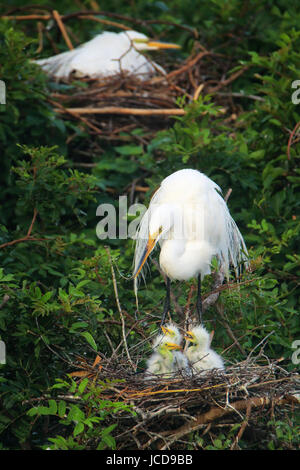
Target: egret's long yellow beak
(149, 247)
(163, 45)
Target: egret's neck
(171, 254)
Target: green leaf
(52, 407)
(130, 150)
(89, 339)
(109, 441)
(62, 408)
(83, 385)
(79, 428)
(47, 296)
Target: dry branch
(117, 110)
(215, 413)
(62, 28)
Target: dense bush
(56, 287)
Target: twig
(243, 427)
(217, 412)
(119, 110)
(119, 306)
(73, 113)
(241, 95)
(28, 237)
(190, 64)
(187, 307)
(227, 195)
(106, 22)
(40, 28)
(226, 82)
(261, 342)
(62, 28)
(26, 17)
(220, 310)
(288, 150)
(35, 212)
(21, 240)
(198, 91)
(146, 393)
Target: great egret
(190, 220)
(105, 55)
(162, 361)
(200, 354)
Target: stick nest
(166, 411)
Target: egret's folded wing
(60, 65)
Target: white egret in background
(107, 54)
(190, 220)
(199, 353)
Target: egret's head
(161, 218)
(142, 43)
(199, 336)
(171, 331)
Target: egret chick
(162, 361)
(107, 54)
(172, 333)
(200, 354)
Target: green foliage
(284, 435)
(27, 117)
(83, 410)
(56, 290)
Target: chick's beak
(149, 247)
(172, 346)
(166, 331)
(189, 336)
(163, 45)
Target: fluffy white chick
(199, 353)
(162, 361)
(171, 331)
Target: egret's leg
(199, 300)
(167, 301)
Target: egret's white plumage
(105, 55)
(190, 220)
(199, 353)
